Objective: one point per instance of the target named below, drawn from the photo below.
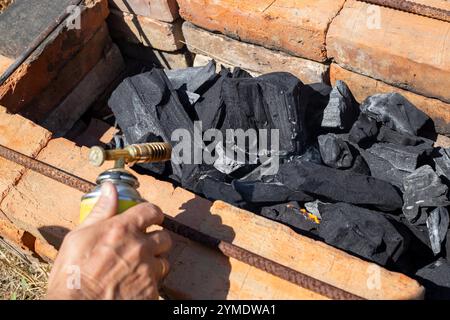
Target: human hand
(110, 256)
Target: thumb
(106, 206)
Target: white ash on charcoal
(363, 178)
(341, 111)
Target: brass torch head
(135, 153)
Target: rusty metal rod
(37, 42)
(414, 8)
(226, 248)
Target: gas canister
(126, 184)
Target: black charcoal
(342, 109)
(405, 158)
(366, 233)
(395, 112)
(335, 152)
(268, 192)
(435, 277)
(337, 185)
(442, 163)
(423, 189)
(391, 136)
(364, 131)
(192, 79)
(271, 101)
(291, 215)
(384, 170)
(437, 224)
(146, 104)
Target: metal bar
(226, 248)
(414, 8)
(36, 43)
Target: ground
(22, 277)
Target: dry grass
(4, 4)
(21, 277)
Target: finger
(158, 242)
(162, 268)
(106, 206)
(141, 216)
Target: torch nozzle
(135, 153)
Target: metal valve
(135, 153)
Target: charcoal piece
(391, 136)
(226, 161)
(442, 163)
(335, 152)
(271, 101)
(240, 73)
(337, 185)
(447, 246)
(146, 104)
(314, 99)
(312, 154)
(342, 109)
(191, 79)
(364, 131)
(366, 233)
(268, 192)
(214, 188)
(405, 158)
(435, 277)
(384, 170)
(210, 108)
(437, 224)
(290, 214)
(395, 112)
(423, 189)
(360, 166)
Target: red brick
(163, 10)
(150, 32)
(297, 27)
(407, 51)
(69, 76)
(251, 57)
(363, 86)
(5, 62)
(78, 101)
(21, 135)
(32, 77)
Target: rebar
(228, 249)
(414, 8)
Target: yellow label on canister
(87, 205)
